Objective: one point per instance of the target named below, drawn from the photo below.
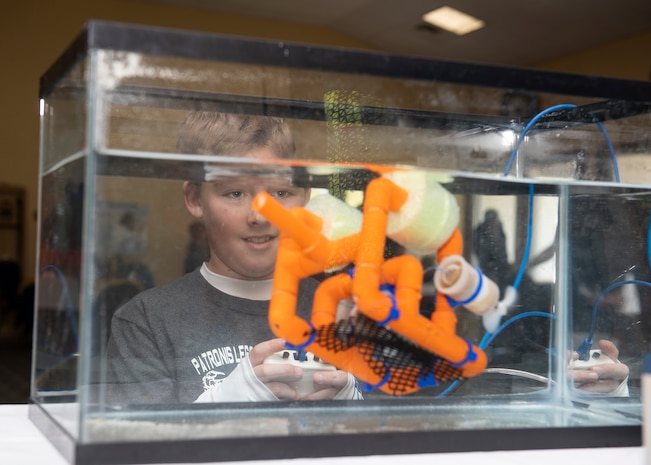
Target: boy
(204, 337)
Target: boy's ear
(192, 198)
(308, 193)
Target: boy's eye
(281, 194)
(235, 194)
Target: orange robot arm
(437, 335)
(381, 197)
(303, 251)
(387, 293)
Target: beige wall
(34, 33)
(629, 58)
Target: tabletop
(21, 443)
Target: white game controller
(309, 363)
(596, 358)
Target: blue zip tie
(471, 356)
(369, 387)
(427, 381)
(394, 313)
(301, 347)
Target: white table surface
(21, 443)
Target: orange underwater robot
(366, 318)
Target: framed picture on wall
(12, 200)
(10, 208)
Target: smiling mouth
(260, 239)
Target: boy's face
(243, 244)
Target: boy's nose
(256, 217)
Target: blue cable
(584, 348)
(535, 119)
(531, 123)
(489, 337)
(611, 149)
(516, 283)
(67, 298)
(523, 266)
(448, 389)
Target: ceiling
(517, 32)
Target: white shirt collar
(252, 290)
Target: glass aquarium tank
(476, 244)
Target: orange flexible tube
(381, 197)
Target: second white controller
(596, 358)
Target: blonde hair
(233, 134)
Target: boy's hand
(603, 378)
(327, 384)
(279, 378)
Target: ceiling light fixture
(453, 20)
